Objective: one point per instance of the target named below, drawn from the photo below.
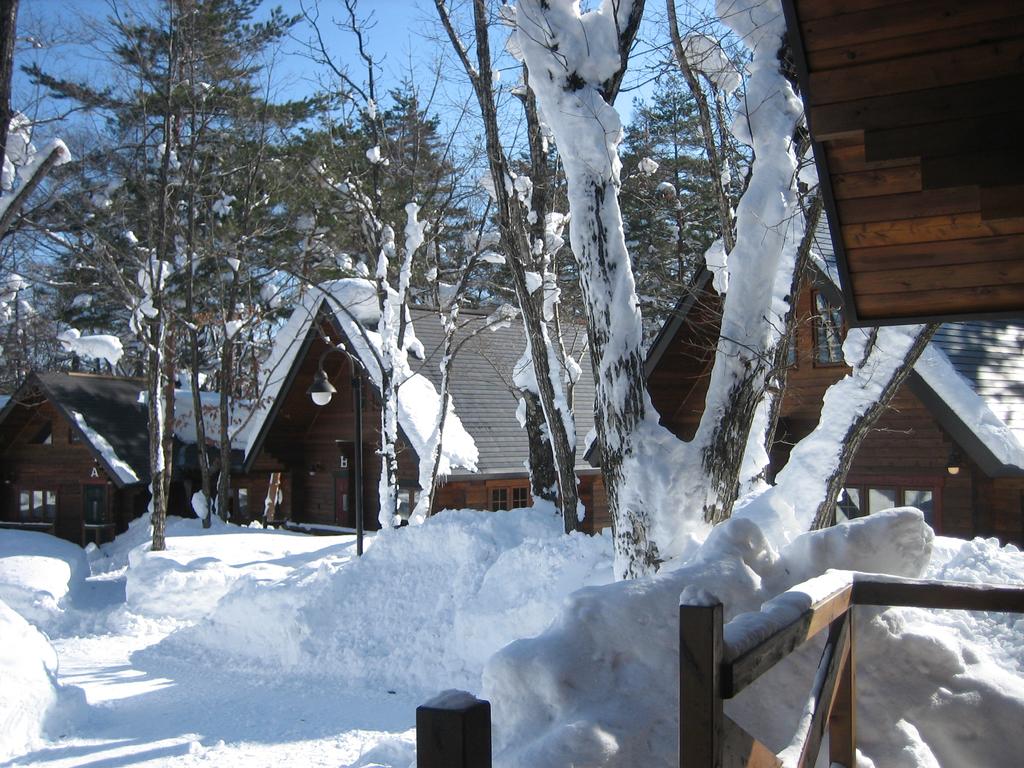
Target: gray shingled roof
(482, 387)
(990, 355)
(110, 406)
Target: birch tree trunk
(513, 208)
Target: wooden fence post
(700, 702)
(842, 724)
(453, 730)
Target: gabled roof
(971, 376)
(483, 403)
(105, 413)
(482, 390)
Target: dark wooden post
(453, 730)
(700, 702)
(842, 724)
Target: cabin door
(344, 500)
(97, 525)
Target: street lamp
(320, 392)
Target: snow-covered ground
(248, 647)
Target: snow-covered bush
(31, 701)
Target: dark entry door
(96, 523)
(344, 501)
(94, 504)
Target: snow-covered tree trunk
(729, 447)
(393, 318)
(576, 62)
(542, 375)
(806, 490)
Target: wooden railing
(717, 661)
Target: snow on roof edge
(938, 372)
(121, 468)
(459, 448)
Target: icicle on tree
(528, 237)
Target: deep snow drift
(422, 610)
(310, 655)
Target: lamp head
(321, 390)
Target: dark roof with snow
(110, 409)
(990, 355)
(482, 390)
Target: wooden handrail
(714, 667)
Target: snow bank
(421, 611)
(39, 573)
(197, 569)
(599, 687)
(31, 701)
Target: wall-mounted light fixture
(955, 462)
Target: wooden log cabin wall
(916, 115)
(906, 458)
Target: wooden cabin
(74, 456)
(311, 450)
(914, 109)
(923, 452)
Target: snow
(121, 468)
(39, 573)
(209, 403)
(647, 166)
(32, 703)
(938, 372)
(241, 646)
(99, 347)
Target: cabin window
(37, 506)
(828, 332)
(499, 499)
(73, 437)
(520, 498)
(510, 497)
(44, 436)
(242, 502)
(857, 501)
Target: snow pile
(31, 701)
(186, 580)
(39, 573)
(599, 687)
(421, 611)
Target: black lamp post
(321, 391)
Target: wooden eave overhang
(916, 118)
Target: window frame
(900, 486)
(46, 497)
(817, 326)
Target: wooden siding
(911, 105)
(907, 448)
(62, 466)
